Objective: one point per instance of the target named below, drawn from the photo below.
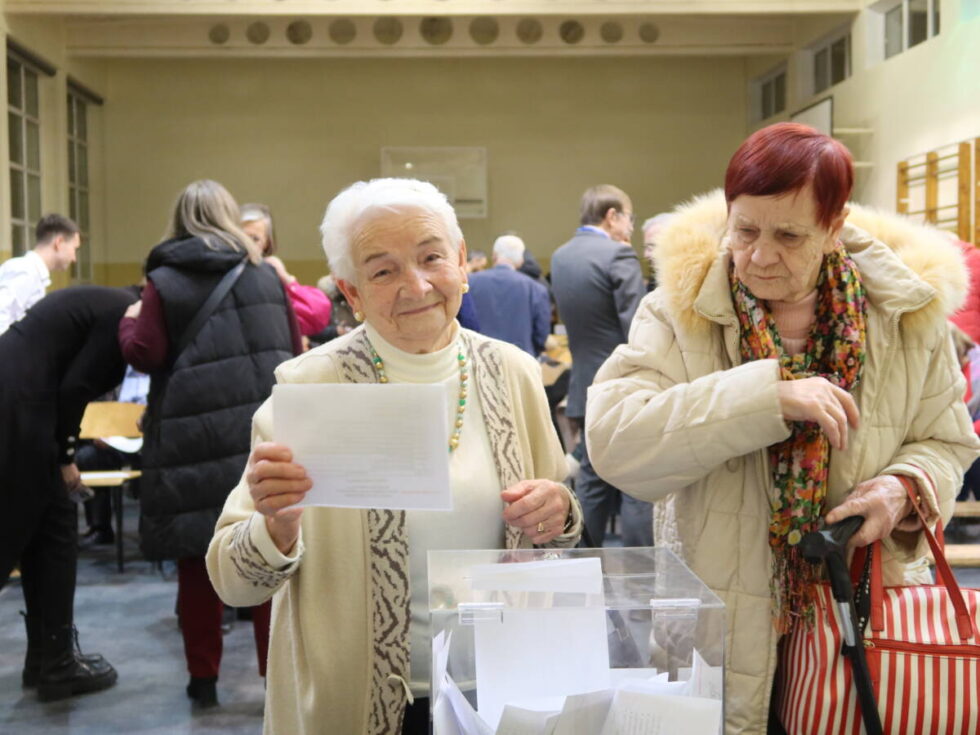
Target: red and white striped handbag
(923, 651)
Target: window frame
(884, 7)
(758, 93)
(79, 192)
(23, 218)
(826, 44)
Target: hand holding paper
(276, 483)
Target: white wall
(919, 100)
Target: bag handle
(965, 624)
(207, 308)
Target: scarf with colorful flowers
(835, 350)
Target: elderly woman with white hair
(349, 643)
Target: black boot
(202, 690)
(32, 661)
(66, 672)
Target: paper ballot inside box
(551, 641)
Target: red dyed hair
(785, 157)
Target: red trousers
(200, 608)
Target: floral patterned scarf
(835, 350)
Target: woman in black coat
(55, 360)
(207, 378)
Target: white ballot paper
(584, 714)
(368, 445)
(542, 652)
(642, 713)
(552, 575)
(128, 445)
(519, 721)
(467, 720)
(706, 681)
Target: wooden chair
(105, 419)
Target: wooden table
(967, 509)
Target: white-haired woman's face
(408, 279)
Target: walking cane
(829, 546)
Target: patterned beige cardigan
(338, 654)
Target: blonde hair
(206, 209)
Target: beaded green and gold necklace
(464, 378)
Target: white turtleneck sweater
(475, 521)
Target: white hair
(658, 221)
(363, 201)
(509, 248)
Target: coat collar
(918, 273)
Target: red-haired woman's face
(778, 244)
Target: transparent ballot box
(568, 641)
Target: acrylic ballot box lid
(543, 629)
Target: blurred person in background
(652, 230)
(211, 365)
(310, 304)
(597, 284)
(24, 280)
(509, 305)
(55, 360)
(477, 261)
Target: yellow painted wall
(291, 133)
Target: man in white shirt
(24, 280)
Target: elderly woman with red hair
(793, 363)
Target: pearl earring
(359, 316)
(466, 288)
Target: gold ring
(541, 527)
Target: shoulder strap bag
(225, 285)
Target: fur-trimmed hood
(922, 274)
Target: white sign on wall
(459, 173)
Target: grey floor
(129, 618)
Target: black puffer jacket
(198, 421)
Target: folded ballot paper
(544, 670)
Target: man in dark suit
(61, 355)
(597, 283)
(510, 305)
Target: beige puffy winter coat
(674, 416)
